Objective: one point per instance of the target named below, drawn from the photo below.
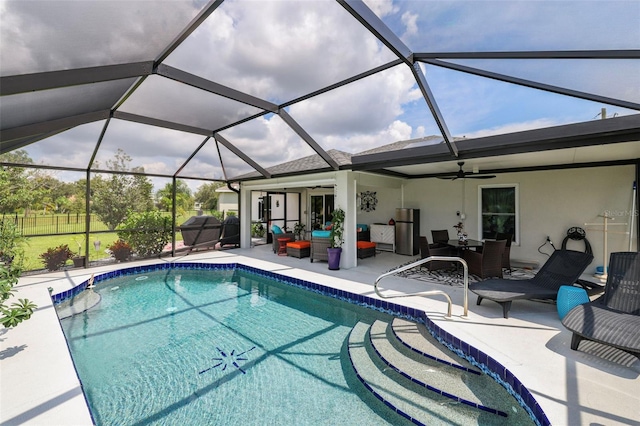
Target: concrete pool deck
(596, 385)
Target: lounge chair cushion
(275, 229)
(321, 234)
(564, 267)
(596, 322)
(614, 318)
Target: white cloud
(381, 7)
(396, 131)
(409, 21)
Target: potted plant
(462, 236)
(56, 257)
(336, 239)
(298, 230)
(120, 250)
(79, 259)
(257, 229)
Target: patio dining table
(456, 244)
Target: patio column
(345, 197)
(244, 211)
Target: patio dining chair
(488, 262)
(427, 250)
(506, 254)
(440, 236)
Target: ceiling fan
(461, 174)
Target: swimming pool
(169, 346)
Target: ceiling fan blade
(480, 177)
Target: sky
(281, 50)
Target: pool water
(189, 347)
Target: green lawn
(37, 245)
(34, 246)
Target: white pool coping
(596, 385)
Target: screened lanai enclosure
(151, 93)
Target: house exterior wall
(550, 202)
(228, 201)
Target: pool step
(417, 338)
(418, 387)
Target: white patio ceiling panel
(560, 157)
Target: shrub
(10, 270)
(120, 250)
(147, 232)
(11, 240)
(218, 215)
(56, 257)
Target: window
(321, 209)
(499, 210)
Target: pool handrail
(465, 278)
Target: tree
(114, 196)
(207, 196)
(184, 200)
(17, 189)
(78, 196)
(53, 194)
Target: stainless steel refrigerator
(408, 231)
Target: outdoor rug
(454, 277)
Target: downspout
(237, 191)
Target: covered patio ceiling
(222, 90)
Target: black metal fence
(42, 225)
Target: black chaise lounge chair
(564, 267)
(614, 318)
